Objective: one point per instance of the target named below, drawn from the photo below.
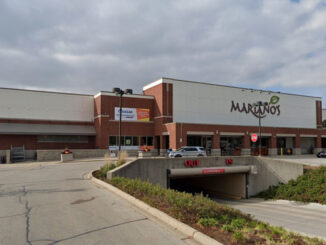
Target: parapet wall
(269, 172)
(54, 155)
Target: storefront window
(135, 140)
(128, 140)
(125, 140)
(231, 146)
(147, 140)
(150, 141)
(113, 140)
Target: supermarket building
(169, 114)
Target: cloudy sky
(88, 46)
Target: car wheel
(200, 155)
(178, 156)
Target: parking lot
(311, 160)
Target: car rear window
(201, 148)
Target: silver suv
(186, 151)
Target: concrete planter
(67, 157)
(142, 154)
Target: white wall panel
(36, 105)
(211, 104)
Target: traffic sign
(254, 137)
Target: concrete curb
(175, 224)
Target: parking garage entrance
(227, 182)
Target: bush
(208, 222)
(227, 228)
(238, 236)
(309, 187)
(104, 169)
(238, 223)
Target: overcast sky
(88, 46)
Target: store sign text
(191, 163)
(258, 111)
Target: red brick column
(318, 146)
(296, 145)
(162, 146)
(216, 147)
(174, 136)
(246, 151)
(272, 145)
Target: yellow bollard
(281, 151)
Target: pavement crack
(100, 229)
(27, 214)
(10, 216)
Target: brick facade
(159, 100)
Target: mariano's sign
(272, 107)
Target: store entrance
(231, 146)
(200, 140)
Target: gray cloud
(87, 46)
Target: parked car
(193, 151)
(321, 154)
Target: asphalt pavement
(54, 204)
(311, 160)
(307, 219)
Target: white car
(191, 151)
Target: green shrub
(104, 169)
(208, 222)
(238, 223)
(238, 236)
(227, 228)
(309, 187)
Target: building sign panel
(132, 114)
(199, 103)
(261, 111)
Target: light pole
(120, 92)
(259, 104)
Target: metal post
(259, 134)
(120, 121)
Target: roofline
(153, 84)
(161, 80)
(44, 91)
(108, 93)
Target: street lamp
(259, 104)
(120, 92)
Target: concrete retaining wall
(54, 155)
(154, 170)
(270, 172)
